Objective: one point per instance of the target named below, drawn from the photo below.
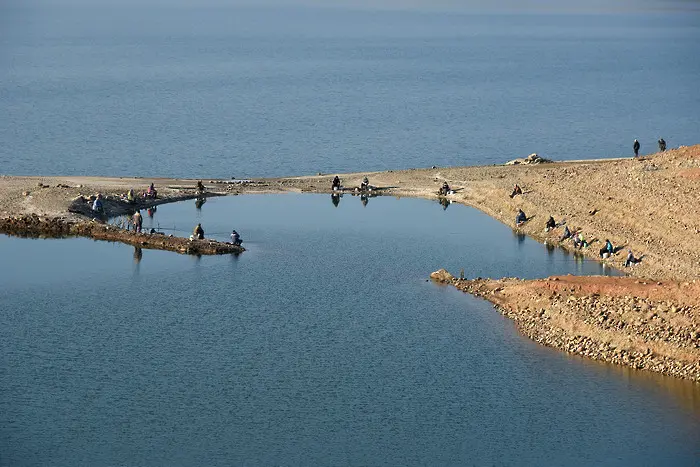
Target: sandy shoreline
(647, 205)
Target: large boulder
(531, 159)
(441, 275)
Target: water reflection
(551, 248)
(199, 202)
(335, 199)
(375, 348)
(364, 199)
(138, 254)
(444, 202)
(151, 211)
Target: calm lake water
(322, 344)
(246, 92)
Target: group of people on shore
(364, 185)
(636, 146)
(198, 234)
(131, 198)
(577, 238)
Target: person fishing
(607, 250)
(137, 220)
(336, 183)
(236, 238)
(200, 187)
(198, 232)
(365, 184)
(151, 192)
(631, 260)
(516, 191)
(444, 189)
(550, 224)
(97, 205)
(566, 234)
(520, 218)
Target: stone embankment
(647, 325)
(56, 227)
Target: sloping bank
(647, 325)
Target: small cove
(321, 344)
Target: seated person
(336, 183)
(236, 238)
(130, 196)
(550, 224)
(200, 186)
(151, 192)
(607, 250)
(520, 218)
(198, 232)
(566, 234)
(579, 240)
(444, 189)
(365, 184)
(631, 259)
(516, 191)
(97, 204)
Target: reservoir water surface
(322, 344)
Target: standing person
(138, 221)
(636, 146)
(662, 145)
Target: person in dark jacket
(550, 224)
(636, 147)
(662, 145)
(566, 234)
(199, 232)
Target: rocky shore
(45, 207)
(56, 227)
(647, 325)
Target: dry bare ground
(648, 205)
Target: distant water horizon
(260, 92)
